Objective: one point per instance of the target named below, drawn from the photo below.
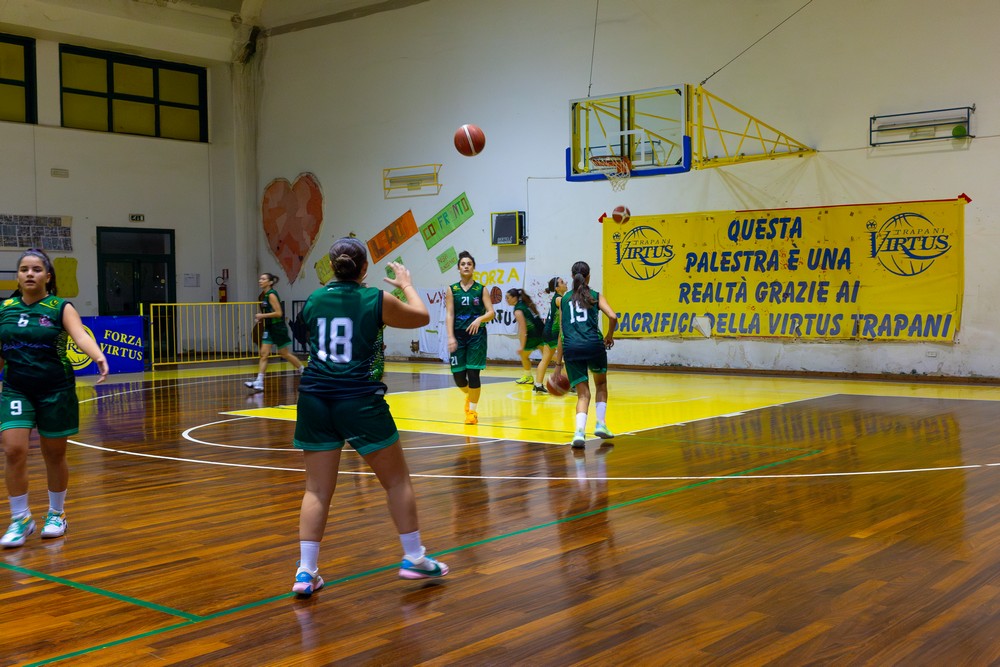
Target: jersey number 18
(337, 347)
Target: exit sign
(136, 217)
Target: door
(135, 267)
(130, 282)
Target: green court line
(634, 501)
(101, 591)
(99, 647)
(361, 575)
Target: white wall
(110, 176)
(346, 100)
(179, 185)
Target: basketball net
(616, 169)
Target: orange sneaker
(471, 417)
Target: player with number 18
(342, 399)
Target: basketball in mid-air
(557, 384)
(470, 140)
(621, 214)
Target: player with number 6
(39, 390)
(342, 398)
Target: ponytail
(581, 287)
(524, 297)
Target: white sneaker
(255, 385)
(306, 582)
(424, 567)
(603, 432)
(55, 524)
(17, 532)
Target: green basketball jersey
(33, 345)
(581, 329)
(345, 325)
(265, 307)
(468, 306)
(532, 323)
(556, 315)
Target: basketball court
(732, 519)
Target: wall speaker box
(508, 228)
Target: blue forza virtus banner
(119, 337)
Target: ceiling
(286, 15)
(195, 31)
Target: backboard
(649, 127)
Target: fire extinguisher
(223, 293)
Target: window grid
(18, 96)
(137, 113)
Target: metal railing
(196, 333)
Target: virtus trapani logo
(77, 357)
(642, 252)
(907, 243)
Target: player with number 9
(342, 398)
(39, 390)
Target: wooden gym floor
(735, 520)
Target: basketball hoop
(616, 169)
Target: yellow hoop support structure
(729, 135)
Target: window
(113, 92)
(17, 79)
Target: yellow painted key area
(638, 401)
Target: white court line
(142, 389)
(734, 476)
(692, 478)
(177, 458)
(187, 436)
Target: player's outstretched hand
(402, 275)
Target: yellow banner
(887, 272)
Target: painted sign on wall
(445, 221)
(887, 272)
(393, 236)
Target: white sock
(308, 555)
(260, 378)
(472, 406)
(412, 548)
(581, 422)
(19, 506)
(601, 412)
(57, 501)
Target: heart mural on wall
(292, 214)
